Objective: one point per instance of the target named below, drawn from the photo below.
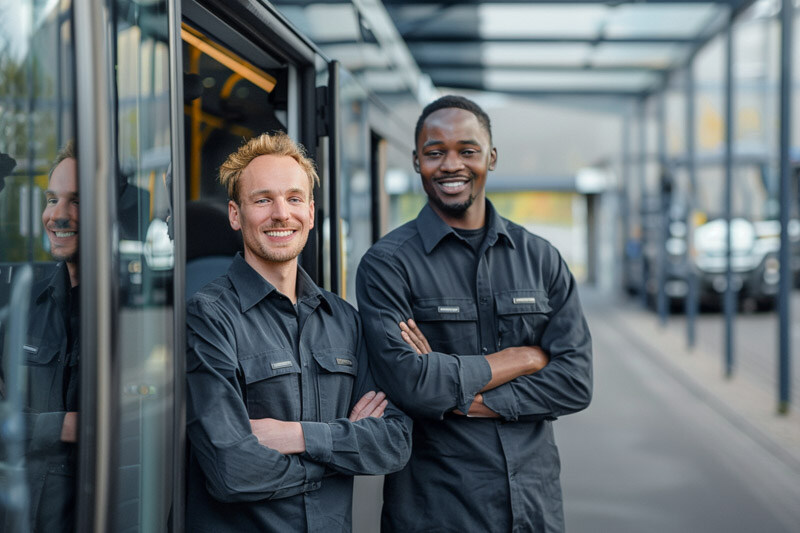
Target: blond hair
(278, 144)
(68, 152)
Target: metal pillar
(785, 287)
(730, 294)
(692, 296)
(642, 199)
(625, 198)
(664, 207)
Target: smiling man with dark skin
(282, 410)
(475, 330)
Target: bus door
(246, 72)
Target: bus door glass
(143, 349)
(234, 90)
(39, 271)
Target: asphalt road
(649, 455)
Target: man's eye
(295, 199)
(262, 201)
(469, 152)
(52, 201)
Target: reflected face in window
(275, 211)
(60, 216)
(453, 156)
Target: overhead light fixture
(245, 69)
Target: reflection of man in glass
(51, 353)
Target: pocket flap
(265, 365)
(36, 353)
(444, 309)
(522, 301)
(337, 360)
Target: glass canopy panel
(540, 20)
(446, 53)
(660, 20)
(358, 56)
(534, 54)
(501, 54)
(383, 81)
(641, 55)
(324, 22)
(515, 80)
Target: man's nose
(452, 162)
(280, 210)
(60, 214)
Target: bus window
(39, 274)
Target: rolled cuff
(502, 401)
(319, 443)
(46, 434)
(475, 374)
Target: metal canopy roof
(558, 47)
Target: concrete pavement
(668, 444)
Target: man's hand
(478, 409)
(69, 429)
(414, 337)
(283, 437)
(371, 404)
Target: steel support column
(692, 296)
(642, 194)
(787, 198)
(627, 125)
(730, 293)
(664, 207)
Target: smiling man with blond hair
(282, 410)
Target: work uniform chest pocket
(449, 324)
(522, 316)
(272, 382)
(336, 373)
(44, 375)
(35, 353)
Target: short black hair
(449, 101)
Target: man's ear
(311, 206)
(415, 161)
(493, 158)
(233, 215)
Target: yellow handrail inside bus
(245, 69)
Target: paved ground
(668, 445)
(755, 344)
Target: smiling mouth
(452, 184)
(279, 233)
(64, 234)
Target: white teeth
(452, 184)
(64, 233)
(285, 233)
